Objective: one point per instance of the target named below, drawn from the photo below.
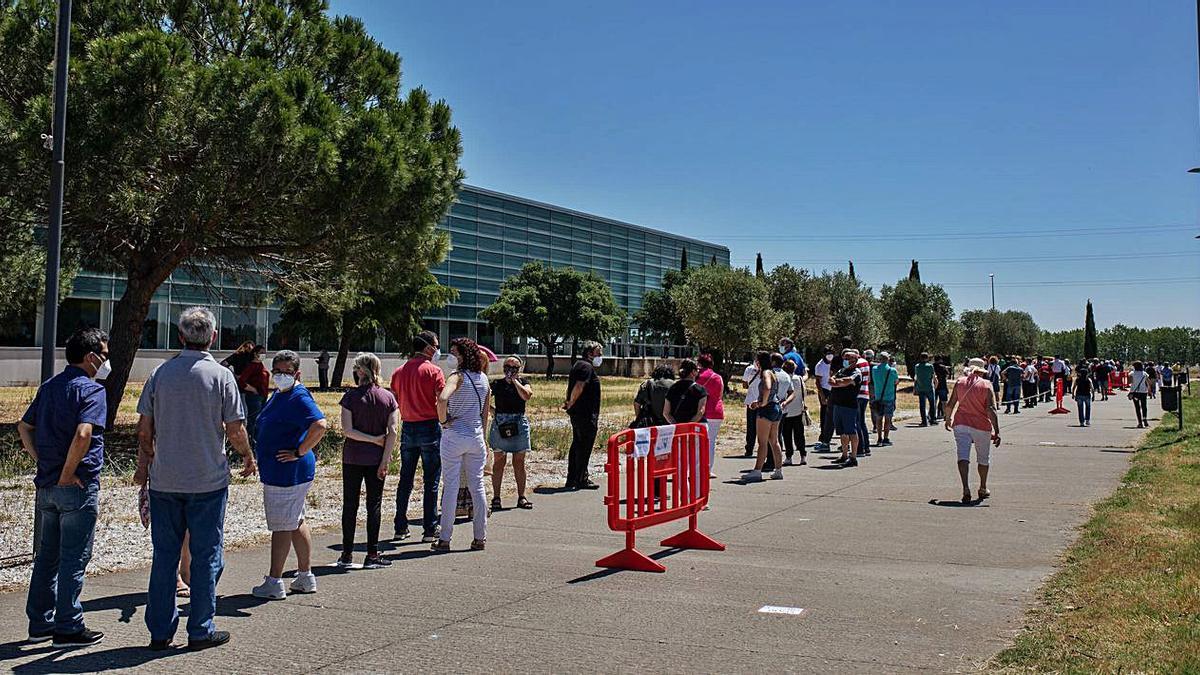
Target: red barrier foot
(630, 559)
(1059, 411)
(693, 539)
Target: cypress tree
(1089, 333)
(758, 268)
(683, 263)
(852, 270)
(914, 272)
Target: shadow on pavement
(547, 490)
(608, 572)
(957, 503)
(94, 660)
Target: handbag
(508, 429)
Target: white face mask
(452, 362)
(828, 358)
(597, 360)
(284, 381)
(783, 349)
(103, 371)
(437, 355)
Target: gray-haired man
(190, 405)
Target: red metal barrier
(1058, 395)
(662, 482)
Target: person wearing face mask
(370, 417)
(583, 409)
(510, 430)
(416, 385)
(823, 371)
(254, 382)
(291, 427)
(63, 431)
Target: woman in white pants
(463, 411)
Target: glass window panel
(515, 207)
(462, 254)
(464, 210)
(76, 313)
(490, 272)
(490, 201)
(515, 262)
(93, 286)
(238, 325)
(461, 283)
(560, 256)
(514, 234)
(150, 328)
(465, 298)
(277, 336)
(489, 286)
(580, 259)
(491, 230)
(560, 243)
(538, 212)
(538, 238)
(461, 225)
(461, 268)
(558, 217)
(464, 240)
(539, 252)
(488, 245)
(466, 196)
(459, 312)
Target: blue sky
(1044, 142)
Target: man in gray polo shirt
(189, 406)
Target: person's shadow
(89, 661)
(957, 503)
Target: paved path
(889, 581)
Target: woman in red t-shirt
(254, 382)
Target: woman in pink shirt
(971, 415)
(714, 408)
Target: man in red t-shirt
(416, 385)
(974, 424)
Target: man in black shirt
(686, 398)
(583, 409)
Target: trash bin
(1170, 398)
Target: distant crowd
(192, 407)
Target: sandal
(523, 503)
(984, 494)
(440, 546)
(477, 544)
(496, 506)
(183, 591)
(966, 498)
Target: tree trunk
(545, 340)
(128, 322)
(339, 365)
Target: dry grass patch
(1127, 598)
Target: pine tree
(1089, 333)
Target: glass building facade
(492, 236)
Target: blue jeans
(68, 521)
(1084, 403)
(254, 404)
(1012, 397)
(419, 440)
(172, 515)
(864, 432)
(923, 398)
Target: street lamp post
(62, 55)
(992, 277)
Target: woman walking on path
(1139, 388)
(1082, 391)
(370, 418)
(768, 414)
(714, 405)
(463, 411)
(291, 426)
(510, 430)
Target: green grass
(1127, 597)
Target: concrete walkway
(891, 573)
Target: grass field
(1127, 598)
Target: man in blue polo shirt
(788, 349)
(63, 430)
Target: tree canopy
(658, 315)
(555, 304)
(263, 136)
(919, 317)
(992, 331)
(806, 298)
(852, 310)
(728, 310)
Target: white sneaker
(271, 589)
(778, 475)
(752, 475)
(305, 582)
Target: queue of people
(192, 407)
